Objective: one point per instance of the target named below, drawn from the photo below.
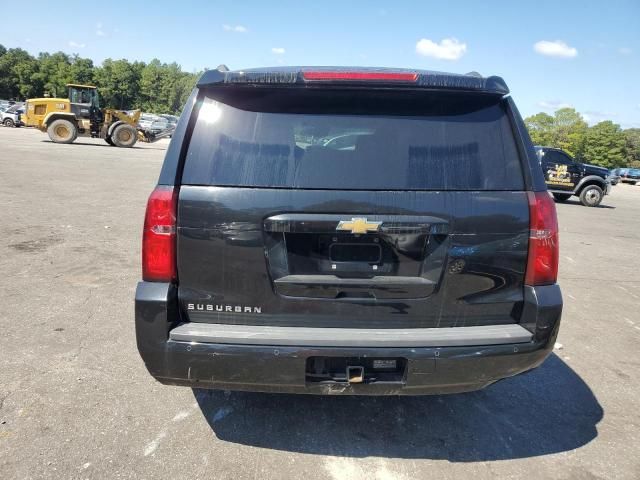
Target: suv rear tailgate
(228, 273)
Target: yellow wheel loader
(65, 119)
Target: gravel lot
(77, 402)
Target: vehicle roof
(295, 75)
(540, 148)
(48, 99)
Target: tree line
(152, 87)
(164, 88)
(604, 143)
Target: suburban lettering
(210, 307)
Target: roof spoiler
(471, 81)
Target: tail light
(159, 236)
(360, 76)
(542, 263)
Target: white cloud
(625, 51)
(73, 44)
(99, 30)
(278, 50)
(594, 116)
(553, 104)
(447, 49)
(234, 28)
(555, 49)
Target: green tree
(172, 88)
(24, 72)
(605, 145)
(118, 83)
(163, 87)
(569, 131)
(541, 128)
(632, 139)
(185, 86)
(151, 79)
(16, 67)
(81, 70)
(53, 74)
(156, 87)
(565, 129)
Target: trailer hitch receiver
(355, 374)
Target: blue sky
(585, 54)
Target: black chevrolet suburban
(348, 231)
(566, 177)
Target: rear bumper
(270, 360)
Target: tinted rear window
(364, 140)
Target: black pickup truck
(566, 177)
(348, 231)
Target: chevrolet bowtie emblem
(358, 225)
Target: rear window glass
(360, 140)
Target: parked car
(6, 103)
(146, 119)
(161, 126)
(11, 116)
(171, 119)
(566, 177)
(614, 177)
(158, 125)
(422, 261)
(629, 175)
